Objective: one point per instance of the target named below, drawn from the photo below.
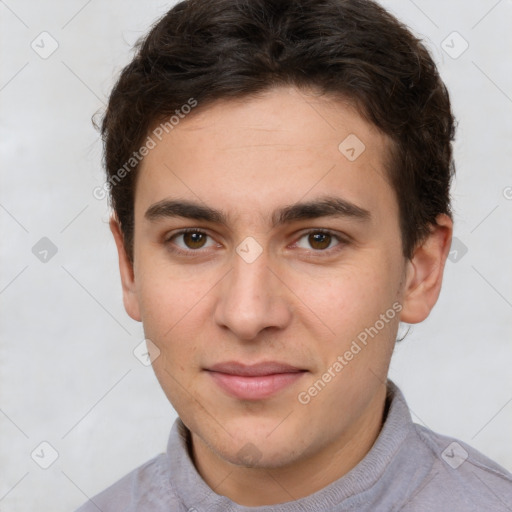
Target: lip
(255, 381)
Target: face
(268, 270)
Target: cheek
(164, 315)
(166, 295)
(349, 302)
(349, 295)
(171, 314)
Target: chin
(256, 456)
(258, 449)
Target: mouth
(256, 381)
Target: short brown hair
(212, 50)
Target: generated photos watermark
(341, 361)
(149, 144)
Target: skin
(298, 302)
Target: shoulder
(147, 487)
(460, 478)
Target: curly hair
(209, 50)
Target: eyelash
(190, 253)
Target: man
(280, 174)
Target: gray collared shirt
(408, 469)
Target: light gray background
(67, 372)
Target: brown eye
(194, 239)
(191, 242)
(319, 241)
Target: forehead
(258, 154)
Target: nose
(252, 298)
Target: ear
(425, 272)
(131, 303)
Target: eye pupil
(194, 240)
(319, 240)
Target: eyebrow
(329, 206)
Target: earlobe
(130, 299)
(425, 272)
